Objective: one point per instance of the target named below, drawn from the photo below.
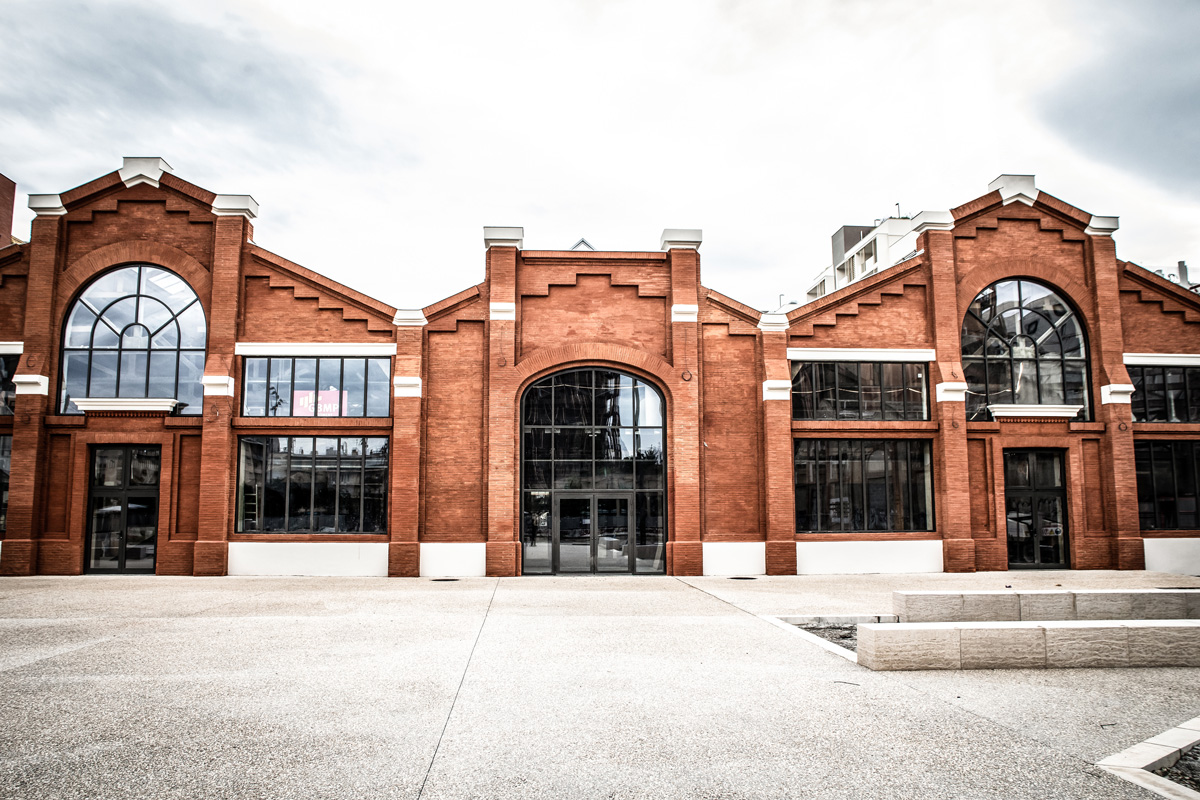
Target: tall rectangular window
(850, 485)
(1167, 473)
(850, 390)
(316, 387)
(1165, 394)
(5, 467)
(8, 390)
(312, 484)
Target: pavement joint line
(825, 644)
(1135, 763)
(721, 599)
(458, 690)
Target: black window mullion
(287, 487)
(342, 385)
(362, 483)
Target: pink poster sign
(327, 403)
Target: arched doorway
(593, 475)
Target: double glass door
(123, 509)
(1036, 504)
(593, 532)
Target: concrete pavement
(614, 687)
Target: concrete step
(1026, 605)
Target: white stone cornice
(1003, 410)
(1162, 359)
(951, 392)
(235, 205)
(12, 348)
(47, 205)
(86, 404)
(683, 312)
(1117, 393)
(681, 239)
(773, 323)
(315, 349)
(503, 237)
(217, 385)
(1015, 189)
(1102, 226)
(777, 390)
(31, 384)
(409, 318)
(860, 354)
(149, 170)
(502, 311)
(406, 386)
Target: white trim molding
(1004, 410)
(951, 392)
(31, 384)
(1177, 556)
(325, 559)
(86, 404)
(734, 558)
(235, 205)
(682, 312)
(1162, 359)
(503, 237)
(409, 318)
(1117, 393)
(681, 239)
(860, 354)
(773, 323)
(777, 390)
(502, 311)
(453, 560)
(315, 349)
(138, 169)
(1102, 226)
(47, 205)
(859, 558)
(217, 385)
(12, 348)
(406, 386)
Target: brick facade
(455, 441)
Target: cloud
(1136, 103)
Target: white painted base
(1180, 556)
(450, 560)
(858, 558)
(369, 559)
(735, 558)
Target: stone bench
(1062, 604)
(1029, 645)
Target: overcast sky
(380, 138)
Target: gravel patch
(1185, 771)
(842, 635)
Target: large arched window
(1023, 344)
(137, 331)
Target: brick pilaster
(500, 499)
(404, 556)
(777, 460)
(685, 553)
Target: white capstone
(1015, 189)
(773, 323)
(217, 385)
(235, 205)
(31, 384)
(777, 390)
(503, 237)
(682, 312)
(503, 311)
(138, 169)
(409, 318)
(1117, 393)
(681, 238)
(47, 205)
(951, 392)
(406, 386)
(1102, 226)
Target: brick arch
(1069, 287)
(580, 354)
(140, 252)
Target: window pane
(274, 516)
(279, 389)
(329, 388)
(573, 443)
(1072, 337)
(914, 398)
(135, 368)
(304, 387)
(847, 391)
(1051, 379)
(354, 387)
(191, 327)
(573, 400)
(537, 474)
(537, 444)
(824, 390)
(651, 541)
(893, 391)
(1156, 396)
(615, 443)
(104, 375)
(74, 381)
(153, 314)
(805, 477)
(1164, 484)
(1025, 380)
(572, 475)
(649, 405)
(1145, 486)
(350, 485)
(975, 376)
(535, 532)
(120, 314)
(5, 468)
(1075, 383)
(8, 390)
(300, 484)
(1185, 485)
(869, 378)
(251, 470)
(325, 472)
(614, 475)
(875, 477)
(973, 336)
(538, 407)
(167, 287)
(999, 383)
(1193, 389)
(1176, 395)
(190, 392)
(79, 326)
(379, 386)
(254, 388)
(163, 364)
(802, 386)
(852, 486)
(375, 486)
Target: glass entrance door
(1036, 504)
(123, 509)
(592, 533)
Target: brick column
(500, 491)
(777, 447)
(19, 556)
(952, 489)
(685, 553)
(404, 551)
(218, 463)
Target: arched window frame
(1049, 338)
(164, 307)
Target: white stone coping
(1162, 359)
(869, 557)
(777, 390)
(1029, 605)
(1117, 393)
(143, 169)
(47, 205)
(681, 239)
(684, 312)
(342, 559)
(774, 323)
(951, 392)
(86, 404)
(1016, 189)
(502, 311)
(31, 384)
(235, 205)
(453, 560)
(1102, 226)
(734, 558)
(12, 348)
(217, 385)
(315, 349)
(497, 236)
(1135, 763)
(409, 318)
(406, 386)
(1003, 410)
(905, 354)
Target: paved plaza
(623, 687)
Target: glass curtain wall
(857, 485)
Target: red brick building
(179, 400)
